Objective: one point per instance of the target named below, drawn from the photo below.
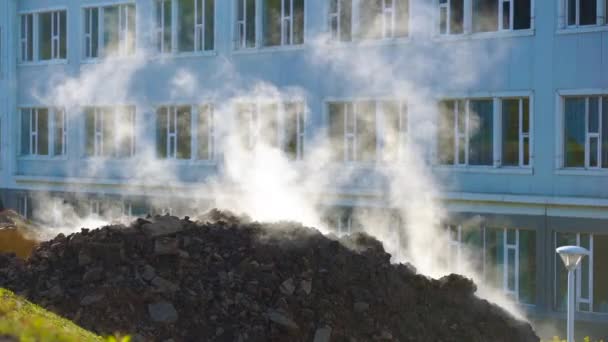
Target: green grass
(28, 322)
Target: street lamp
(571, 256)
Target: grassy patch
(28, 322)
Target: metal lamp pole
(572, 257)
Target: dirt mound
(227, 279)
(16, 234)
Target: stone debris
(226, 278)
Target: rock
(306, 286)
(287, 287)
(323, 334)
(91, 299)
(84, 258)
(166, 246)
(162, 226)
(361, 307)
(282, 320)
(162, 312)
(164, 285)
(92, 275)
(149, 273)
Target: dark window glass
(522, 18)
(481, 132)
(184, 136)
(336, 129)
(457, 16)
(185, 21)
(510, 132)
(209, 24)
(161, 131)
(272, 23)
(574, 132)
(298, 21)
(446, 133)
(366, 131)
(588, 12)
(485, 15)
(44, 35)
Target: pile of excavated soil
(16, 234)
(225, 278)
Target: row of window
(508, 260)
(486, 132)
(188, 26)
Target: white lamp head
(571, 255)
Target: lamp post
(571, 256)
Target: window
(352, 130)
(586, 132)
(451, 16)
(283, 22)
(46, 43)
(276, 124)
(585, 12)
(454, 258)
(24, 207)
(110, 131)
(510, 262)
(591, 282)
(383, 19)
(466, 132)
(174, 131)
(245, 24)
(516, 132)
(206, 133)
(43, 132)
(340, 20)
(109, 31)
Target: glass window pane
(161, 132)
(600, 276)
(574, 132)
(485, 15)
(522, 10)
(272, 22)
(184, 132)
(506, 15)
(185, 20)
(346, 20)
(481, 132)
(446, 132)
(402, 18)
(95, 33)
(250, 25)
(59, 131)
(456, 16)
(366, 131)
(291, 130)
(527, 266)
(604, 147)
(108, 117)
(62, 34)
(209, 24)
(494, 256)
(593, 115)
(588, 12)
(370, 20)
(44, 35)
(571, 12)
(204, 129)
(526, 116)
(89, 122)
(510, 132)
(298, 21)
(43, 131)
(25, 131)
(511, 254)
(110, 30)
(443, 24)
(585, 242)
(336, 129)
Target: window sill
(108, 59)
(165, 56)
(581, 172)
(270, 49)
(190, 162)
(42, 158)
(368, 42)
(44, 63)
(485, 169)
(484, 35)
(582, 29)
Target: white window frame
(64, 133)
(335, 16)
(161, 27)
(402, 129)
(33, 132)
(199, 25)
(522, 136)
(445, 7)
(172, 132)
(25, 19)
(514, 293)
(88, 32)
(24, 206)
(350, 138)
(461, 135)
(501, 24)
(241, 26)
(56, 34)
(287, 23)
(300, 117)
(593, 135)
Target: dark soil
(224, 278)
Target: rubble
(225, 278)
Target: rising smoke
(399, 203)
